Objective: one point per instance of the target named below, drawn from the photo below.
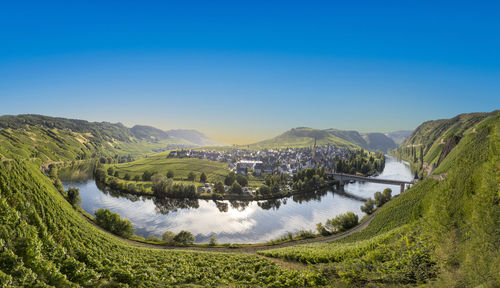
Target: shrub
(342, 222)
(236, 188)
(212, 241)
(191, 176)
(168, 237)
(369, 206)
(74, 197)
(242, 180)
(184, 238)
(170, 174)
(203, 177)
(112, 222)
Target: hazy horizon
(375, 67)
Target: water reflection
(234, 221)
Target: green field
(215, 171)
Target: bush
(212, 241)
(184, 238)
(242, 180)
(168, 237)
(191, 176)
(170, 174)
(342, 222)
(74, 197)
(264, 190)
(112, 222)
(236, 188)
(369, 206)
(146, 176)
(306, 234)
(322, 230)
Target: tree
(146, 176)
(127, 176)
(382, 198)
(219, 188)
(170, 174)
(242, 180)
(321, 229)
(264, 190)
(184, 237)
(236, 188)
(212, 241)
(203, 177)
(230, 178)
(191, 176)
(387, 194)
(168, 237)
(161, 185)
(74, 197)
(112, 222)
(369, 206)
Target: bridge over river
(348, 177)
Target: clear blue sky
(244, 71)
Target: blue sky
(245, 71)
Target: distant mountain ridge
(399, 136)
(304, 136)
(108, 131)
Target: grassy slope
(457, 220)
(215, 171)
(45, 242)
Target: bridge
(348, 177)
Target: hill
(399, 136)
(431, 142)
(193, 136)
(305, 137)
(443, 233)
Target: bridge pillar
(402, 188)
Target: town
(271, 161)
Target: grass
(215, 171)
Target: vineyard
(45, 242)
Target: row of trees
(309, 180)
(165, 187)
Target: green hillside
(214, 170)
(440, 232)
(45, 243)
(305, 137)
(436, 138)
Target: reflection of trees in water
(76, 171)
(222, 206)
(239, 205)
(306, 197)
(167, 205)
(117, 194)
(271, 204)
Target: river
(235, 221)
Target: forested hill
(305, 137)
